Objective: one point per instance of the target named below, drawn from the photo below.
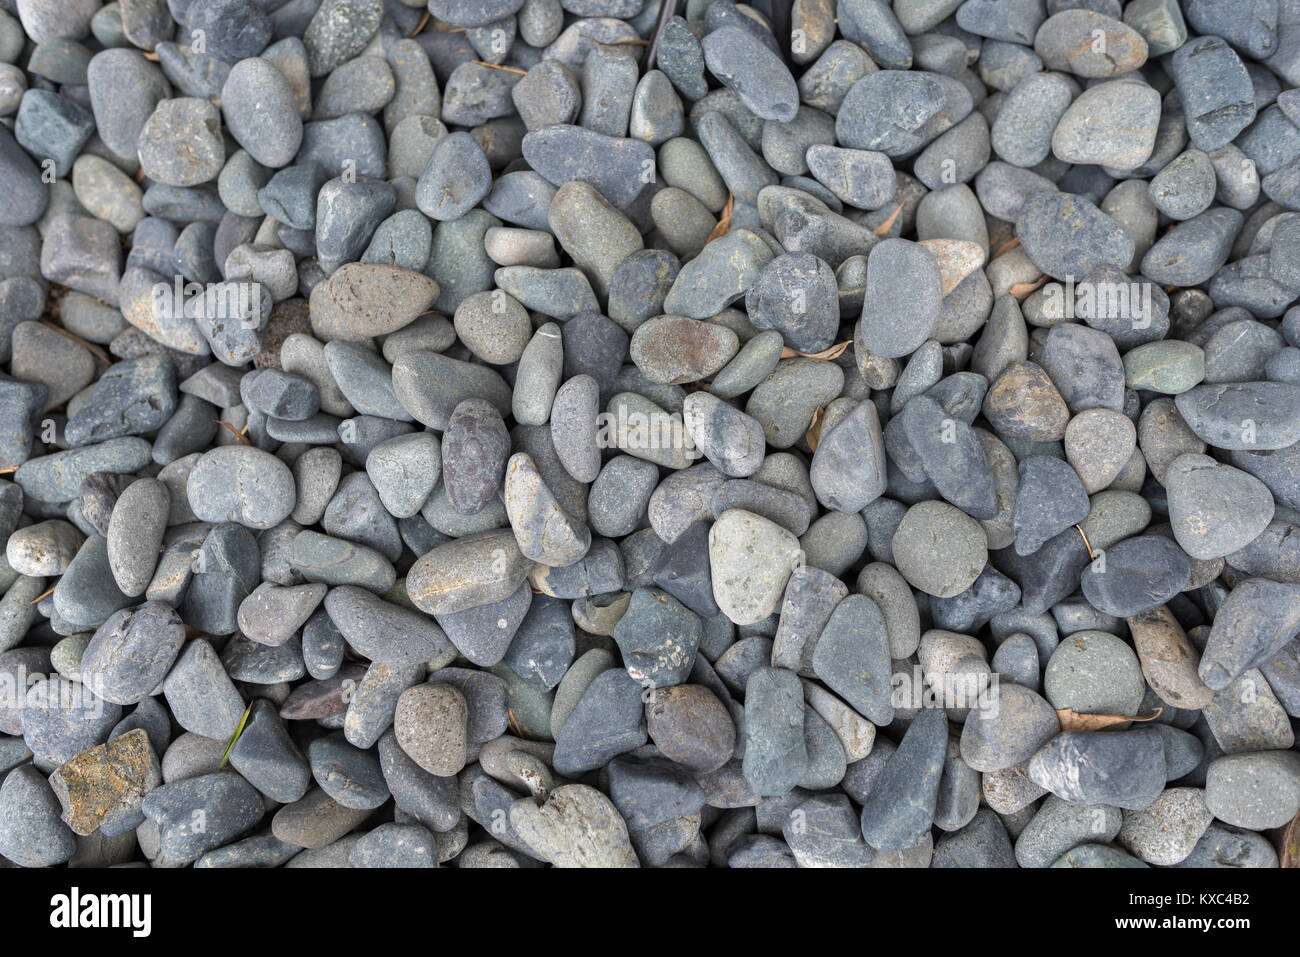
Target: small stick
(90, 347)
(45, 594)
(666, 13)
(237, 434)
(498, 66)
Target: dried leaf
(1022, 289)
(1290, 856)
(834, 352)
(239, 730)
(814, 433)
(724, 222)
(1071, 720)
(888, 223)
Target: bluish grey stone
(899, 811)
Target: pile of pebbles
(624, 432)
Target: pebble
(743, 63)
(995, 738)
(903, 298)
(1139, 574)
(809, 379)
(32, 833)
(241, 484)
(939, 549)
(1124, 769)
(1257, 790)
(1093, 672)
(899, 811)
(1214, 509)
(576, 826)
(257, 102)
(132, 651)
(1113, 123)
(751, 559)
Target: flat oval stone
(1124, 769)
(202, 698)
(730, 439)
(1137, 575)
(1066, 235)
(135, 533)
(32, 832)
(1111, 124)
(722, 273)
(1256, 791)
(238, 483)
(1214, 509)
(348, 775)
(743, 63)
(456, 178)
(404, 470)
(776, 754)
(904, 297)
(691, 726)
(62, 718)
(1214, 86)
(796, 294)
(675, 349)
(847, 472)
(576, 826)
(1089, 44)
(180, 143)
(1024, 403)
(381, 631)
(361, 300)
(546, 533)
(617, 167)
(939, 549)
(1169, 661)
(949, 454)
(897, 112)
(1195, 249)
(1093, 672)
(470, 571)
(132, 651)
(258, 105)
(430, 386)
(28, 199)
(1010, 732)
(1243, 415)
(751, 559)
